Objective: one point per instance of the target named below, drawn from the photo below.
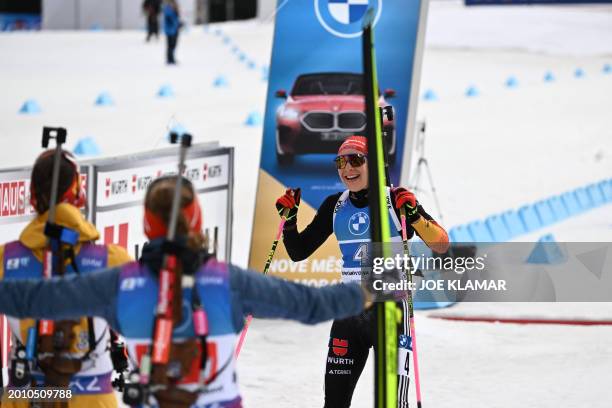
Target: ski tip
(368, 18)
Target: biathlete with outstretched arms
(346, 215)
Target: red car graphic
(321, 111)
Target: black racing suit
(349, 339)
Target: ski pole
(417, 378)
(279, 233)
(163, 325)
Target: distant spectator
(172, 25)
(151, 9)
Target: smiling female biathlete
(346, 215)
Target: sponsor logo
(115, 187)
(339, 205)
(121, 240)
(129, 284)
(339, 372)
(141, 183)
(340, 361)
(161, 345)
(12, 263)
(166, 280)
(192, 174)
(389, 206)
(119, 187)
(339, 347)
(13, 199)
(16, 263)
(211, 171)
(210, 280)
(96, 263)
(359, 223)
(343, 18)
(405, 342)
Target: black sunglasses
(355, 160)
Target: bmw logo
(359, 223)
(405, 342)
(343, 18)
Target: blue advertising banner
(315, 100)
(19, 21)
(526, 2)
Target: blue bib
(352, 230)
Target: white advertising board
(120, 185)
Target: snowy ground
(500, 150)
(478, 365)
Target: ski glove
(405, 198)
(290, 200)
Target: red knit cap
(359, 143)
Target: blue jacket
(171, 20)
(95, 294)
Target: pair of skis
(386, 356)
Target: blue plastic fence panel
(570, 200)
(606, 189)
(460, 233)
(558, 208)
(584, 199)
(479, 231)
(545, 213)
(497, 228)
(596, 195)
(530, 219)
(513, 223)
(547, 251)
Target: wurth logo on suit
(340, 349)
(340, 361)
(339, 346)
